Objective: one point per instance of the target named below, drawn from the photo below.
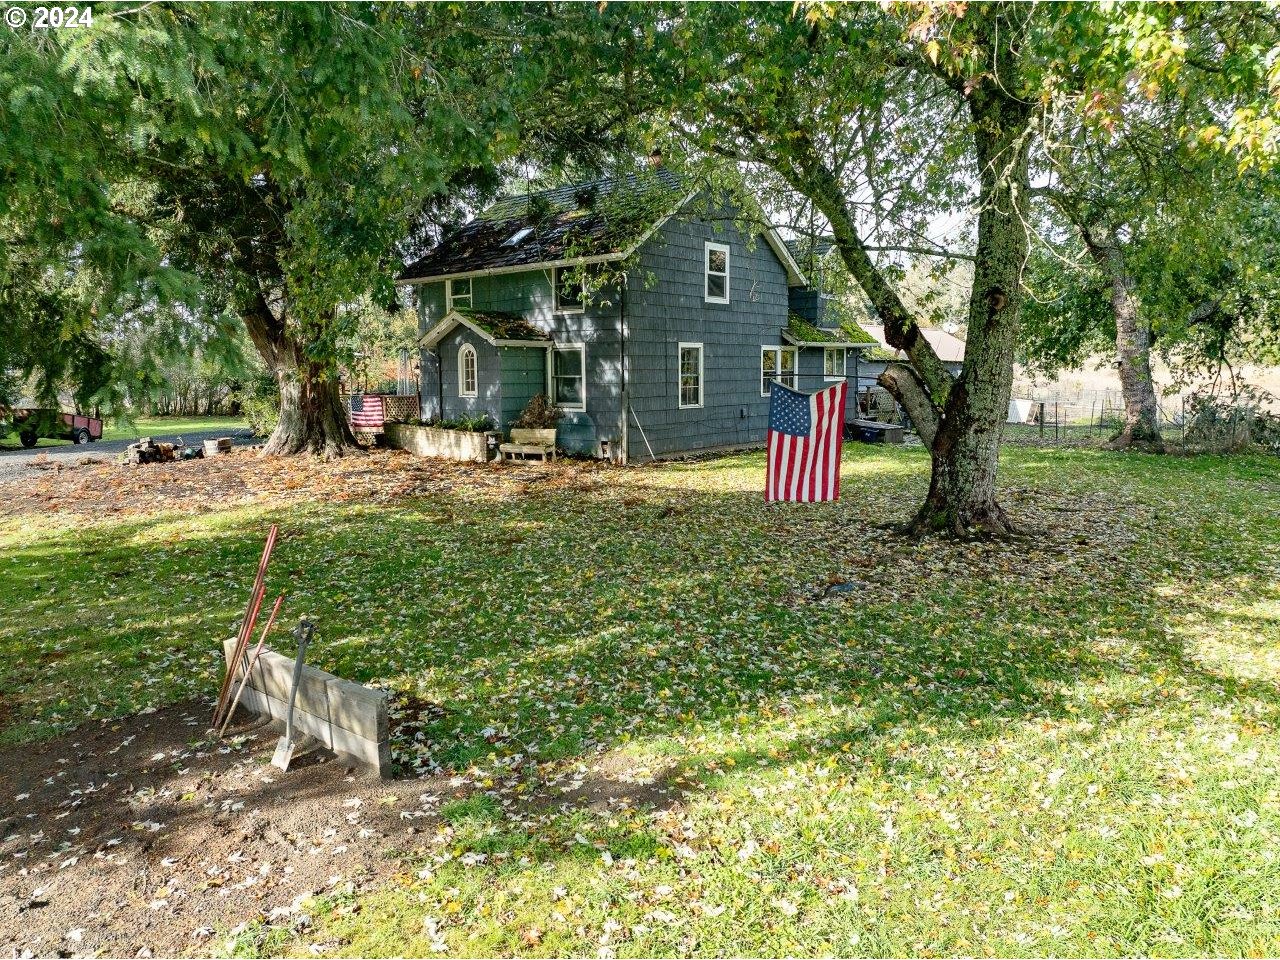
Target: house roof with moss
(495, 327)
(591, 222)
(802, 333)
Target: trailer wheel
(28, 438)
(82, 435)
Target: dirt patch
(138, 835)
(245, 476)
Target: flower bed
(441, 442)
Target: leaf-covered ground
(664, 734)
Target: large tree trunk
(1141, 428)
(959, 419)
(966, 445)
(312, 416)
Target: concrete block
(345, 717)
(357, 708)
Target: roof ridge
(662, 175)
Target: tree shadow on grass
(567, 626)
(574, 619)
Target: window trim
(844, 364)
(551, 376)
(779, 349)
(555, 294)
(702, 369)
(707, 247)
(450, 298)
(464, 351)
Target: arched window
(467, 371)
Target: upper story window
(570, 290)
(569, 376)
(467, 376)
(777, 363)
(716, 268)
(833, 363)
(457, 293)
(690, 375)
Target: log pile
(147, 450)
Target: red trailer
(32, 423)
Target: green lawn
(169, 426)
(1065, 745)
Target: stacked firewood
(147, 450)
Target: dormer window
(570, 291)
(716, 264)
(515, 239)
(457, 293)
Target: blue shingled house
(671, 352)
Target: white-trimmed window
(715, 264)
(467, 375)
(570, 291)
(690, 385)
(569, 376)
(833, 363)
(777, 363)
(457, 293)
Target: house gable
(667, 307)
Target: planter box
(436, 442)
(543, 437)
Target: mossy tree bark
(313, 418)
(966, 448)
(1141, 429)
(960, 419)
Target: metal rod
(246, 624)
(642, 434)
(242, 642)
(252, 662)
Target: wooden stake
(246, 625)
(249, 665)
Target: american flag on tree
(805, 437)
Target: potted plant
(537, 422)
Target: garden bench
(529, 443)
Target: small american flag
(366, 412)
(805, 437)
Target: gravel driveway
(14, 464)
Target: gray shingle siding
(430, 310)
(524, 375)
(488, 398)
(666, 305)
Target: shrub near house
(675, 356)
